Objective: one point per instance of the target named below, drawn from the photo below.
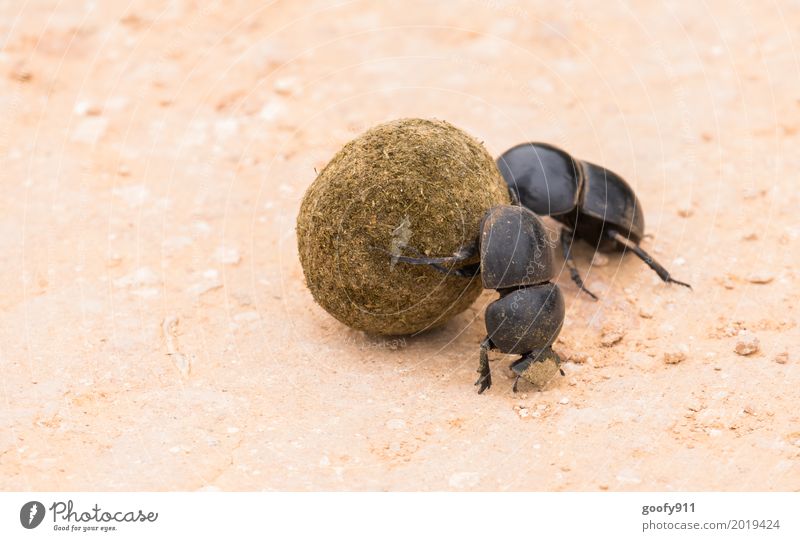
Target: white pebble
(142, 276)
(395, 424)
(134, 195)
(272, 111)
(611, 335)
(676, 355)
(646, 312)
(227, 255)
(90, 130)
(285, 85)
(85, 108)
(760, 278)
(599, 260)
(746, 343)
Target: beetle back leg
(485, 378)
(647, 258)
(566, 238)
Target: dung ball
(408, 187)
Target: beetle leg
(566, 241)
(485, 379)
(467, 271)
(647, 258)
(439, 263)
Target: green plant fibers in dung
(406, 187)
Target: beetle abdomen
(525, 319)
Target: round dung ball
(408, 187)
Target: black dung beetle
(517, 261)
(593, 203)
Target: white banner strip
(400, 516)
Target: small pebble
(676, 355)
(760, 278)
(285, 85)
(90, 130)
(752, 193)
(522, 412)
(86, 108)
(782, 357)
(395, 424)
(750, 236)
(646, 312)
(227, 255)
(21, 73)
(580, 357)
(612, 334)
(746, 343)
(599, 260)
(695, 406)
(564, 401)
(685, 211)
(464, 479)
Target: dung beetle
(517, 261)
(592, 203)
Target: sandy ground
(155, 330)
